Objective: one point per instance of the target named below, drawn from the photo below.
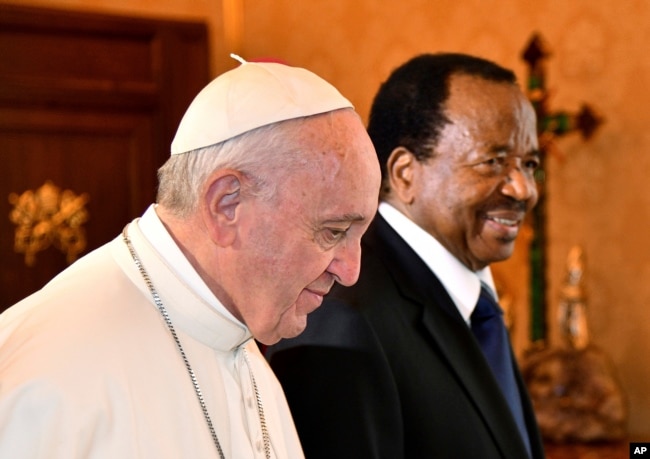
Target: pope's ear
(220, 205)
(400, 168)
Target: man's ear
(221, 205)
(400, 167)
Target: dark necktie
(490, 331)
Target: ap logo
(640, 450)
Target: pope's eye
(333, 234)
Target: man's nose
(347, 263)
(520, 185)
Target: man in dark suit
(390, 368)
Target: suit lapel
(443, 322)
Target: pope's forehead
(339, 133)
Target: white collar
(155, 232)
(462, 284)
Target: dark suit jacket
(389, 369)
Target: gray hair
(257, 154)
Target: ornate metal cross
(550, 125)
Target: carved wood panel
(88, 103)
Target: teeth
(505, 221)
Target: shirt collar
(462, 284)
(155, 232)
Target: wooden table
(619, 450)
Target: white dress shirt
(462, 284)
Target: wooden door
(88, 107)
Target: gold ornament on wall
(49, 217)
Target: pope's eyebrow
(346, 218)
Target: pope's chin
(293, 320)
(296, 327)
(289, 326)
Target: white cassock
(88, 368)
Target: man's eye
(492, 165)
(496, 161)
(532, 164)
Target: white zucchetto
(252, 95)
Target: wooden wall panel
(88, 103)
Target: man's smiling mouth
(504, 221)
